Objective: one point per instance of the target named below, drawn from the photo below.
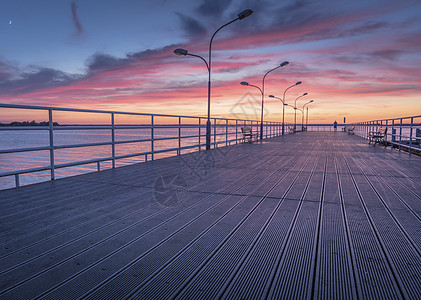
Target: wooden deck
(310, 215)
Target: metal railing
(224, 132)
(402, 133)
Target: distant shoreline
(27, 123)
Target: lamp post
(245, 83)
(244, 14)
(283, 106)
(295, 108)
(263, 93)
(302, 117)
(307, 115)
(302, 120)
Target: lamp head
(299, 82)
(180, 51)
(244, 14)
(305, 94)
(311, 101)
(284, 63)
(244, 83)
(271, 96)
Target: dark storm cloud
(75, 18)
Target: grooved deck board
(311, 215)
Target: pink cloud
(157, 78)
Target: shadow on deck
(310, 215)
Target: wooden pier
(305, 216)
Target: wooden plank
(310, 215)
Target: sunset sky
(360, 59)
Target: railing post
(17, 184)
(400, 134)
(393, 135)
(51, 133)
(226, 132)
(112, 140)
(385, 136)
(236, 131)
(368, 129)
(215, 144)
(200, 134)
(179, 136)
(152, 138)
(410, 136)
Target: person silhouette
(335, 125)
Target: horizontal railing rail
(321, 127)
(224, 133)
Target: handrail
(225, 132)
(406, 139)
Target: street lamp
(311, 101)
(295, 107)
(240, 16)
(263, 92)
(302, 117)
(283, 106)
(245, 83)
(286, 104)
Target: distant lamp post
(240, 16)
(302, 120)
(302, 115)
(283, 106)
(245, 83)
(307, 113)
(295, 107)
(263, 93)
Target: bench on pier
(248, 134)
(378, 136)
(351, 130)
(291, 129)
